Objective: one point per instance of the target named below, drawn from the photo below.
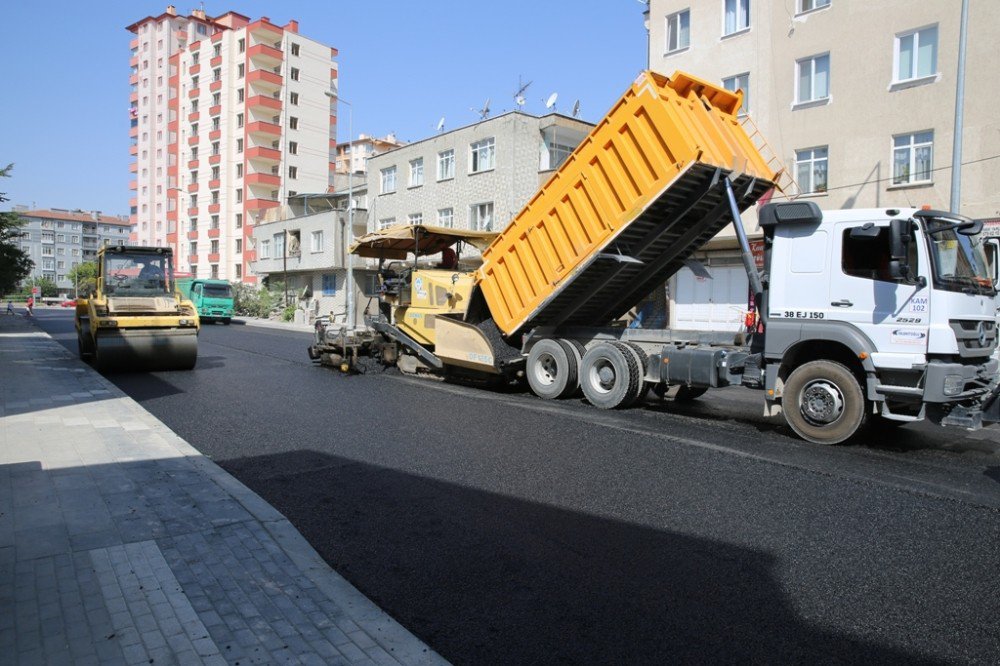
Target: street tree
(15, 264)
(84, 277)
(47, 286)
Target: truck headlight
(953, 384)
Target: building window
(217, 74)
(740, 82)
(388, 180)
(678, 31)
(193, 248)
(216, 147)
(294, 99)
(293, 172)
(240, 70)
(481, 155)
(293, 148)
(239, 145)
(415, 218)
(214, 248)
(295, 49)
(239, 271)
(417, 172)
(239, 120)
(812, 81)
(316, 241)
(239, 195)
(279, 245)
(239, 219)
(912, 158)
(446, 217)
(294, 74)
(809, 5)
(214, 222)
(481, 217)
(736, 15)
(239, 170)
(239, 94)
(293, 122)
(329, 284)
(916, 54)
(265, 249)
(811, 169)
(242, 45)
(386, 222)
(446, 164)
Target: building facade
(228, 117)
(476, 177)
(353, 156)
(60, 240)
(856, 98)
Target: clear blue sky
(403, 65)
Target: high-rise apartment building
(228, 117)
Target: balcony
(263, 79)
(214, 208)
(194, 117)
(193, 187)
(193, 212)
(193, 259)
(172, 171)
(194, 69)
(264, 30)
(193, 93)
(215, 86)
(192, 235)
(216, 61)
(260, 204)
(172, 126)
(262, 179)
(213, 258)
(266, 155)
(264, 131)
(193, 140)
(214, 233)
(171, 216)
(133, 167)
(214, 159)
(265, 55)
(215, 135)
(133, 150)
(264, 102)
(215, 110)
(192, 164)
(171, 238)
(134, 185)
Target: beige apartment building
(229, 116)
(857, 98)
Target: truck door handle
(842, 303)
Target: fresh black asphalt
(503, 529)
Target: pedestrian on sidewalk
(30, 304)
(10, 307)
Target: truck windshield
(217, 291)
(135, 274)
(958, 260)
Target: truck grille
(976, 338)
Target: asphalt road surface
(504, 529)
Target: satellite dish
(551, 101)
(484, 112)
(441, 124)
(576, 109)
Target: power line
(883, 180)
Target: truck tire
(688, 393)
(642, 390)
(610, 376)
(823, 402)
(552, 369)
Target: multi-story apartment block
(474, 177)
(59, 240)
(352, 157)
(856, 98)
(229, 116)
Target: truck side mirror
(899, 245)
(991, 246)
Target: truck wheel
(823, 402)
(552, 369)
(688, 393)
(642, 389)
(609, 376)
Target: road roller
(135, 320)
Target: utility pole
(284, 264)
(956, 147)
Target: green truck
(213, 299)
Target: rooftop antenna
(576, 109)
(441, 124)
(484, 112)
(550, 103)
(519, 95)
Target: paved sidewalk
(121, 544)
(270, 323)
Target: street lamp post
(349, 282)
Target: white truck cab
(903, 299)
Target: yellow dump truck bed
(634, 200)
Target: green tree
(84, 276)
(15, 264)
(48, 287)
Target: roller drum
(149, 350)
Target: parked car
(71, 303)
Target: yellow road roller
(135, 319)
